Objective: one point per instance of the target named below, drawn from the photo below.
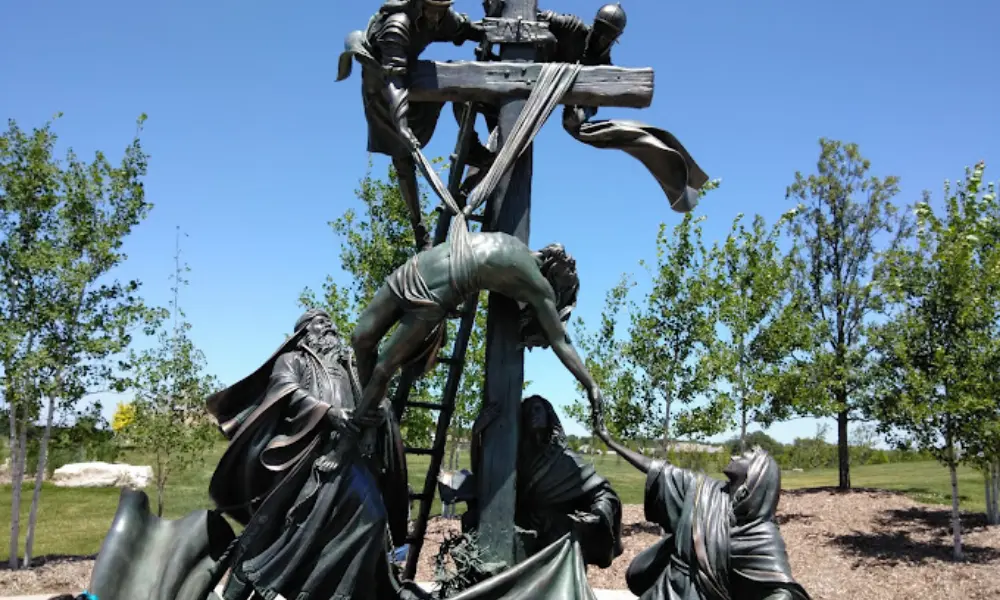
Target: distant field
(74, 521)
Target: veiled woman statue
(720, 540)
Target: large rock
(102, 474)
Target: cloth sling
(553, 83)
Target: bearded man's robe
(712, 548)
(316, 523)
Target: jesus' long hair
(559, 269)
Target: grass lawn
(74, 521)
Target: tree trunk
(956, 516)
(17, 483)
(988, 478)
(843, 450)
(992, 476)
(743, 426)
(996, 492)
(742, 391)
(161, 482)
(43, 449)
(666, 427)
(15, 490)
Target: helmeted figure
(387, 50)
(316, 525)
(578, 42)
(720, 540)
(557, 492)
(575, 42)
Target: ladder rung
(421, 496)
(420, 451)
(427, 405)
(446, 359)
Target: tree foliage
(170, 386)
(609, 360)
(842, 216)
(761, 325)
(63, 315)
(674, 327)
(937, 352)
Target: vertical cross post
(507, 210)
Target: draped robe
(713, 549)
(553, 484)
(316, 523)
(558, 494)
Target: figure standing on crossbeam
(394, 39)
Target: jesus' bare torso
(421, 293)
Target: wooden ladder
(454, 361)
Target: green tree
(170, 387)
(934, 360)
(62, 226)
(762, 326)
(609, 360)
(672, 330)
(843, 213)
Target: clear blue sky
(255, 147)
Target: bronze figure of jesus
(422, 293)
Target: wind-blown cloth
(713, 549)
(658, 150)
(556, 572)
(144, 556)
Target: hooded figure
(720, 540)
(316, 524)
(557, 493)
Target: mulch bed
(863, 545)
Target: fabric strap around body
(553, 82)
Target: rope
(553, 82)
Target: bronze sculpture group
(315, 470)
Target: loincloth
(414, 297)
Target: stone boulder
(102, 474)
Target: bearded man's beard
(325, 344)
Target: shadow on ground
(783, 518)
(39, 561)
(916, 535)
(919, 494)
(892, 547)
(644, 527)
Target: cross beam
(497, 82)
